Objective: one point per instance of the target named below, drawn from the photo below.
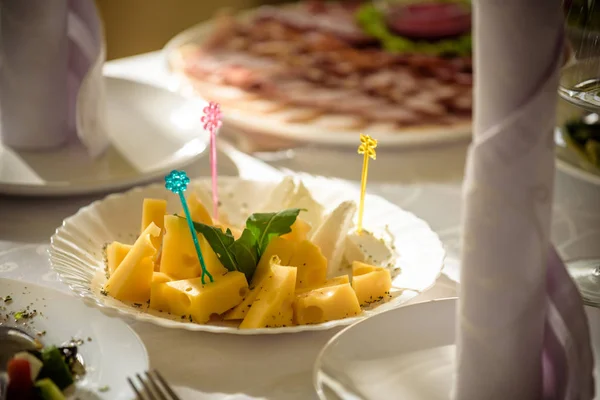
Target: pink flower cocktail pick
(212, 121)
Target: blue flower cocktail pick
(177, 182)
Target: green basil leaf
(221, 242)
(246, 253)
(267, 226)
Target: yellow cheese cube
(153, 211)
(263, 271)
(299, 231)
(273, 304)
(311, 264)
(131, 281)
(327, 304)
(115, 253)
(338, 280)
(201, 301)
(198, 211)
(360, 268)
(179, 259)
(373, 286)
(158, 300)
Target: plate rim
(411, 137)
(335, 338)
(145, 356)
(86, 294)
(64, 189)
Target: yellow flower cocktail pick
(367, 148)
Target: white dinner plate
(76, 251)
(268, 119)
(111, 350)
(151, 130)
(406, 353)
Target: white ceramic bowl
(76, 251)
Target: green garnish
(104, 388)
(244, 253)
(7, 299)
(372, 21)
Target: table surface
(425, 181)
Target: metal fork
(153, 387)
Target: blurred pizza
(346, 66)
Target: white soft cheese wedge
(304, 200)
(330, 236)
(280, 196)
(367, 248)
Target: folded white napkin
(522, 331)
(51, 85)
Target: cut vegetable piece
(273, 305)
(115, 254)
(311, 264)
(373, 286)
(48, 390)
(198, 211)
(153, 211)
(55, 368)
(360, 268)
(179, 259)
(35, 364)
(191, 297)
(338, 280)
(327, 304)
(330, 237)
(19, 376)
(131, 281)
(299, 231)
(258, 280)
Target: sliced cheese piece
(311, 264)
(312, 210)
(158, 298)
(326, 304)
(179, 259)
(273, 305)
(131, 281)
(367, 248)
(201, 301)
(160, 277)
(262, 272)
(373, 286)
(280, 196)
(330, 236)
(360, 268)
(299, 232)
(198, 211)
(338, 280)
(115, 253)
(153, 211)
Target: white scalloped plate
(76, 250)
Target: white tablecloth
(425, 181)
